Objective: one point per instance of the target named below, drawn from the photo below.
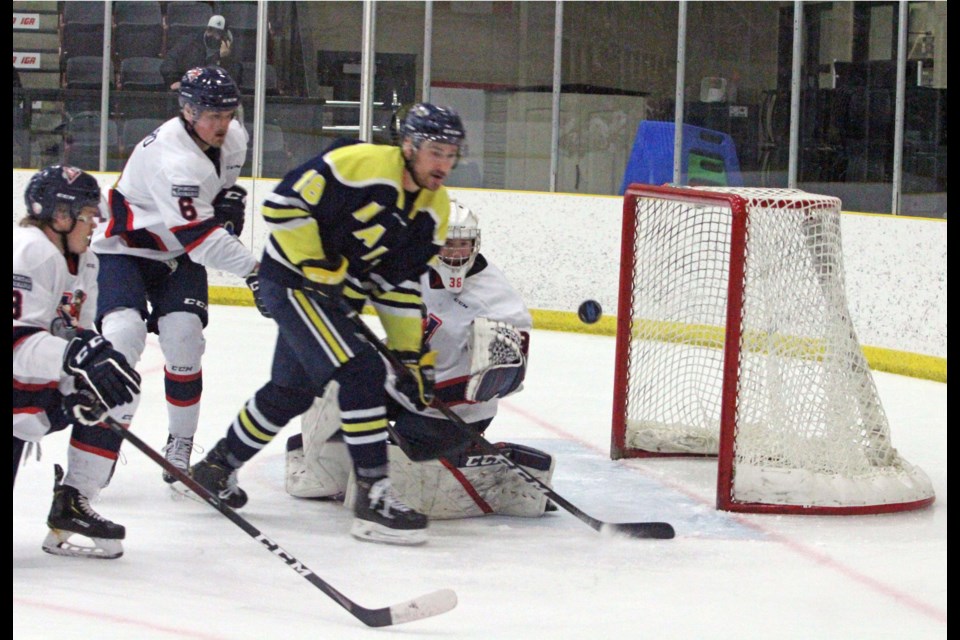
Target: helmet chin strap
(188, 125)
(64, 244)
(408, 165)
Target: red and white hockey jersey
(50, 293)
(162, 205)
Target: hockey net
(734, 339)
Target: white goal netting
(738, 316)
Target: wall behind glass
(618, 71)
(736, 114)
(484, 55)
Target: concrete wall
(560, 249)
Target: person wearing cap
(213, 48)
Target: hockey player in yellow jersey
(357, 223)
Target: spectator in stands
(213, 48)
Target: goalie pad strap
(472, 484)
(481, 503)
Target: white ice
(188, 572)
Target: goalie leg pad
(518, 497)
(473, 484)
(442, 490)
(318, 462)
(323, 477)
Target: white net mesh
(809, 428)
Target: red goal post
(734, 340)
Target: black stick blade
(656, 530)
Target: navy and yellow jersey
(350, 203)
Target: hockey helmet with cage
(58, 185)
(425, 121)
(209, 89)
(455, 261)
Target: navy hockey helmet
(209, 88)
(60, 185)
(425, 121)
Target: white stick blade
(425, 606)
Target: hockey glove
(84, 407)
(417, 384)
(324, 278)
(230, 209)
(253, 281)
(101, 369)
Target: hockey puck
(589, 311)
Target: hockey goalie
(480, 329)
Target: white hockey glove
(498, 361)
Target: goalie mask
(460, 251)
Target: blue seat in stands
(709, 158)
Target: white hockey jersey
(487, 294)
(49, 294)
(162, 204)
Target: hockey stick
(660, 530)
(425, 606)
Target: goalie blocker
(460, 485)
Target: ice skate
(382, 517)
(177, 452)
(217, 476)
(71, 516)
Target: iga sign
(26, 21)
(26, 60)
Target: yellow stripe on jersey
(350, 291)
(277, 213)
(356, 166)
(334, 347)
(400, 298)
(299, 243)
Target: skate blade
(372, 532)
(179, 491)
(66, 543)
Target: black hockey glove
(324, 278)
(417, 382)
(253, 281)
(230, 209)
(101, 369)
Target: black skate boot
(215, 474)
(177, 452)
(71, 515)
(382, 517)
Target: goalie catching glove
(230, 209)
(101, 369)
(498, 361)
(418, 385)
